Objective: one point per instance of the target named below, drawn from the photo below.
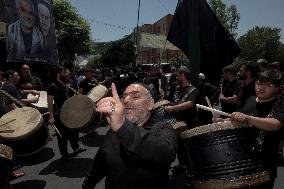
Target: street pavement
(46, 171)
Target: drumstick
(213, 110)
(57, 131)
(208, 102)
(8, 122)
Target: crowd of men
(141, 144)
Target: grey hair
(17, 2)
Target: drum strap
(187, 94)
(13, 98)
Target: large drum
(79, 112)
(41, 105)
(97, 93)
(23, 130)
(6, 156)
(220, 156)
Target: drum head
(212, 128)
(6, 152)
(42, 101)
(97, 93)
(20, 123)
(77, 111)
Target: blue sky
(112, 19)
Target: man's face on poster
(44, 18)
(26, 15)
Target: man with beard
(24, 39)
(58, 92)
(11, 87)
(184, 109)
(267, 119)
(248, 74)
(231, 89)
(89, 82)
(138, 149)
(29, 81)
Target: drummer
(29, 81)
(11, 87)
(57, 92)
(89, 82)
(268, 119)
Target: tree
(261, 42)
(72, 32)
(229, 17)
(120, 52)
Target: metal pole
(136, 38)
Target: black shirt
(189, 115)
(60, 93)
(247, 91)
(230, 89)
(13, 91)
(85, 85)
(5, 103)
(269, 147)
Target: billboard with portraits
(30, 32)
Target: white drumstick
(213, 110)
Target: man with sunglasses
(267, 117)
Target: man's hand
(238, 116)
(113, 108)
(170, 109)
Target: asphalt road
(45, 171)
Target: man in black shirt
(11, 87)
(57, 92)
(138, 149)
(88, 83)
(268, 118)
(231, 90)
(184, 99)
(29, 81)
(248, 74)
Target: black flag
(197, 32)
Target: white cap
(201, 76)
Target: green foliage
(229, 17)
(261, 42)
(72, 32)
(120, 52)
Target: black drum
(220, 156)
(23, 130)
(160, 113)
(6, 156)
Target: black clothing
(246, 92)
(269, 147)
(85, 85)
(33, 80)
(5, 104)
(14, 91)
(61, 93)
(206, 89)
(189, 115)
(230, 89)
(134, 157)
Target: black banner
(30, 31)
(197, 32)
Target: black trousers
(66, 135)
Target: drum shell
(78, 113)
(28, 135)
(31, 144)
(222, 154)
